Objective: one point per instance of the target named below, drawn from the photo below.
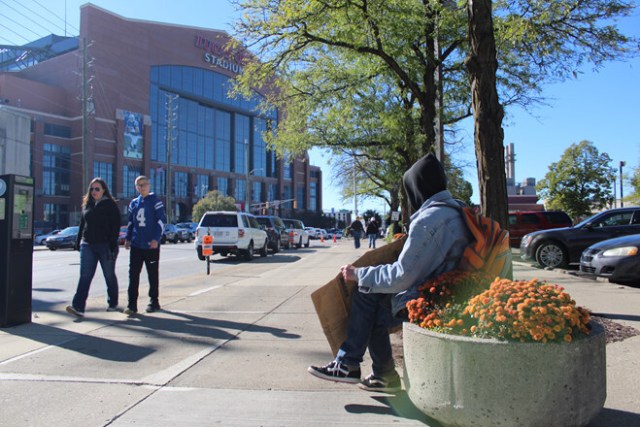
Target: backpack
(490, 251)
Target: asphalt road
(56, 273)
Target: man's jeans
(369, 322)
(90, 255)
(372, 240)
(356, 238)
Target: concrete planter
(462, 381)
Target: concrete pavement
(232, 349)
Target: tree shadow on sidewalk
(89, 345)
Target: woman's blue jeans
(90, 255)
(372, 240)
(369, 322)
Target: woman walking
(97, 242)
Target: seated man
(435, 243)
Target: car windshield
(219, 221)
(68, 231)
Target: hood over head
(424, 179)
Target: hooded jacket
(436, 238)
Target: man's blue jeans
(356, 238)
(372, 240)
(90, 255)
(369, 322)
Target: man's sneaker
(152, 308)
(112, 308)
(336, 371)
(71, 309)
(390, 384)
(130, 311)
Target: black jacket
(372, 228)
(100, 223)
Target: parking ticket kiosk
(16, 249)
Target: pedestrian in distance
(144, 231)
(356, 229)
(97, 241)
(435, 244)
(372, 231)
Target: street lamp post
(621, 193)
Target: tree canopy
(213, 201)
(579, 182)
(365, 73)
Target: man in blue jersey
(146, 223)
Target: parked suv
(562, 246)
(298, 236)
(235, 233)
(275, 227)
(525, 222)
(174, 234)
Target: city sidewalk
(232, 349)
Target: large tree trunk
(487, 112)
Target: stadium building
(129, 97)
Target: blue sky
(601, 106)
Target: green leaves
(213, 201)
(580, 182)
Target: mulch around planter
(614, 332)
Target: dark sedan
(560, 247)
(64, 239)
(616, 259)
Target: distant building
(129, 97)
(520, 197)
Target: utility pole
(621, 183)
(171, 116)
(246, 164)
(85, 115)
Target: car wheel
(51, 248)
(551, 254)
(306, 245)
(248, 254)
(163, 240)
(199, 252)
(263, 251)
(276, 247)
(299, 244)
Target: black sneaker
(71, 309)
(336, 371)
(130, 311)
(390, 384)
(152, 308)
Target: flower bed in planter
(463, 381)
(519, 353)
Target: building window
(58, 215)
(256, 190)
(202, 186)
(272, 192)
(129, 175)
(300, 198)
(57, 130)
(223, 186)
(180, 184)
(313, 196)
(105, 171)
(242, 144)
(241, 189)
(158, 181)
(56, 162)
